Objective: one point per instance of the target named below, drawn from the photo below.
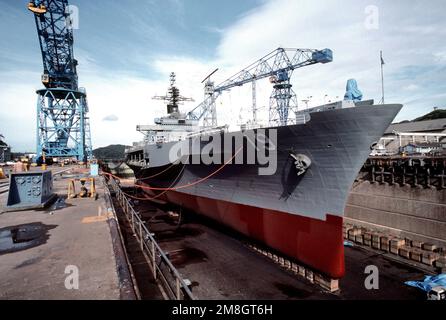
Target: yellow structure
(84, 192)
(36, 9)
(43, 161)
(2, 174)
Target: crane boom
(56, 43)
(277, 65)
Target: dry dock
(37, 246)
(220, 264)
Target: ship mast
(173, 97)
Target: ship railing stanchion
(178, 289)
(141, 238)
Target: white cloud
(440, 56)
(412, 87)
(111, 117)
(129, 98)
(18, 108)
(408, 34)
(214, 29)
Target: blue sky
(125, 35)
(126, 49)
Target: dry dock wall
(403, 211)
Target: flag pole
(382, 78)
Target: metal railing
(163, 271)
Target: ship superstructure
(176, 126)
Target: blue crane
(278, 66)
(63, 128)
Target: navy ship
(284, 186)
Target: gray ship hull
(300, 216)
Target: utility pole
(382, 78)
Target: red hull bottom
(315, 243)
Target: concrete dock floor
(221, 266)
(48, 241)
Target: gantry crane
(278, 66)
(63, 128)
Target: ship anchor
(302, 163)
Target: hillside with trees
(114, 152)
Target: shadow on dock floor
(23, 237)
(221, 266)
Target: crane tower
(63, 128)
